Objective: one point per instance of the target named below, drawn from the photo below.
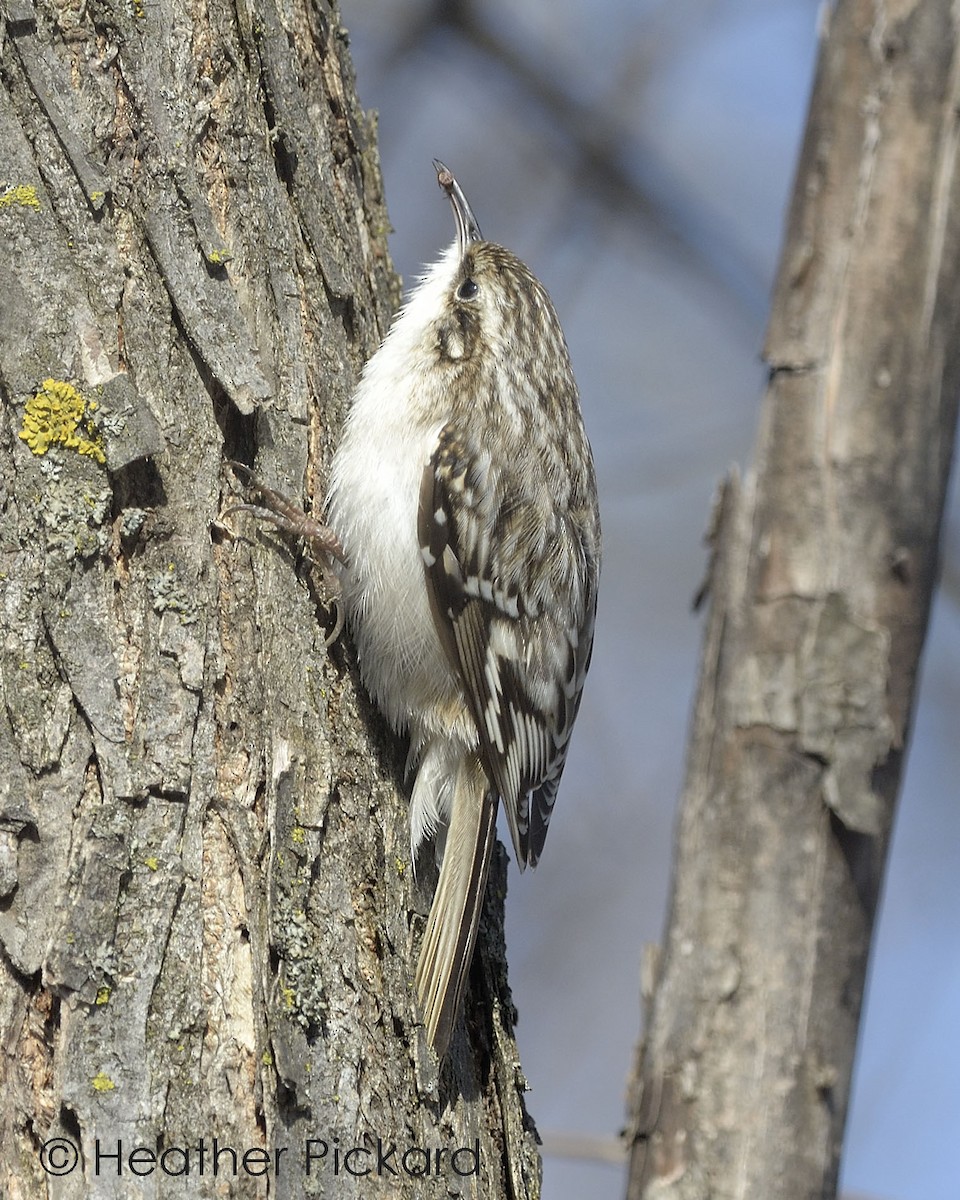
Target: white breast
(390, 433)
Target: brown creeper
(464, 498)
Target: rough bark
(207, 909)
(825, 562)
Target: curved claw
(322, 543)
(286, 515)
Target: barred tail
(455, 913)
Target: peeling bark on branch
(825, 564)
(207, 910)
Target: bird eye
(468, 289)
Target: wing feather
(517, 629)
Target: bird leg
(322, 544)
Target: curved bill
(467, 228)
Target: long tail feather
(455, 913)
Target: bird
(462, 520)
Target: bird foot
(322, 544)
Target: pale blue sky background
(639, 157)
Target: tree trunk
(825, 562)
(207, 908)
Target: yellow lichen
(103, 994)
(101, 1082)
(298, 835)
(152, 863)
(57, 415)
(20, 195)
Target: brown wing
(513, 592)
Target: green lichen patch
(169, 594)
(101, 1082)
(58, 415)
(76, 524)
(20, 195)
(301, 994)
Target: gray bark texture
(825, 563)
(208, 916)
